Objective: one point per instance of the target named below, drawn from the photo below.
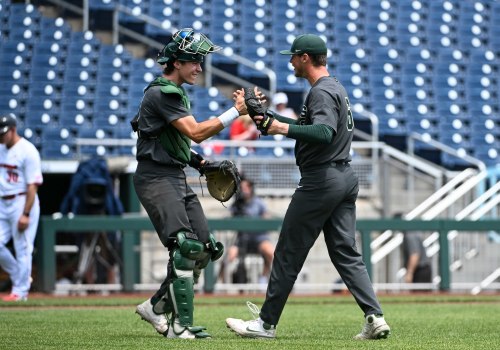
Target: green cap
(306, 43)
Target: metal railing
(130, 226)
(442, 147)
(443, 199)
(283, 170)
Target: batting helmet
(185, 45)
(6, 122)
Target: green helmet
(185, 45)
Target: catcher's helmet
(7, 121)
(185, 45)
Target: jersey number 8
(350, 118)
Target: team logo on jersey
(12, 176)
(302, 116)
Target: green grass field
(418, 322)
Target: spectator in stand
(280, 105)
(243, 128)
(248, 204)
(417, 263)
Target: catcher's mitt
(223, 179)
(255, 107)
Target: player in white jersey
(20, 176)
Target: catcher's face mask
(186, 45)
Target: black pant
(324, 200)
(422, 274)
(170, 202)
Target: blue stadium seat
(428, 84)
(113, 63)
(138, 7)
(13, 72)
(56, 133)
(112, 90)
(39, 117)
(48, 60)
(391, 122)
(57, 150)
(455, 162)
(112, 75)
(51, 47)
(74, 89)
(82, 75)
(54, 30)
(489, 155)
(10, 104)
(102, 4)
(44, 90)
(10, 89)
(423, 127)
(74, 119)
(420, 54)
(80, 104)
(195, 14)
(317, 18)
(112, 106)
(386, 54)
(166, 14)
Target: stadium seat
(431, 62)
(57, 150)
(74, 119)
(166, 14)
(54, 30)
(102, 4)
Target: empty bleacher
(425, 66)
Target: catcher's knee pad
(213, 252)
(198, 251)
(190, 248)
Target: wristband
(26, 213)
(228, 116)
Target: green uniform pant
(325, 199)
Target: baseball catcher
(165, 127)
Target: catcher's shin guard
(181, 289)
(187, 262)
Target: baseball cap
(7, 121)
(280, 98)
(306, 43)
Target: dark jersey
(158, 110)
(412, 244)
(327, 103)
